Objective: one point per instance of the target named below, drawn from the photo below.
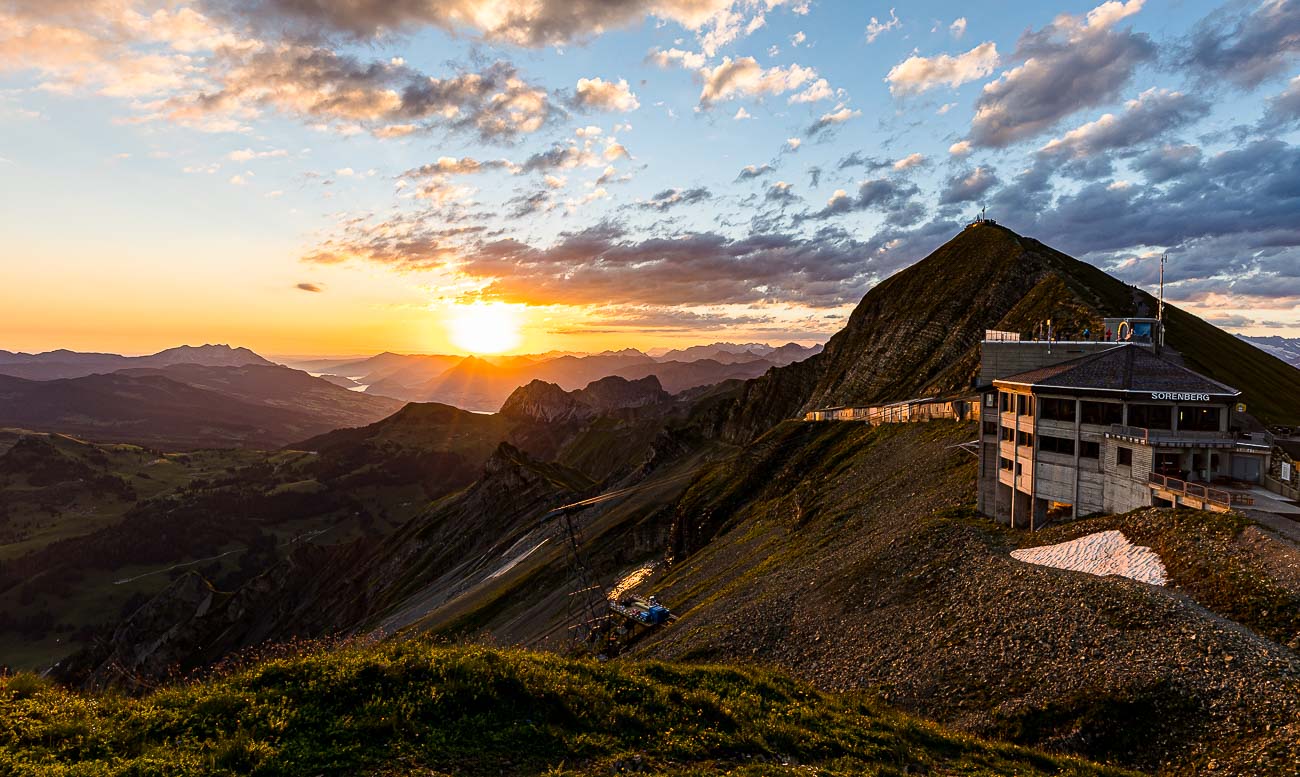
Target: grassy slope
(410, 708)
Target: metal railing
(1179, 437)
(1195, 490)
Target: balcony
(1189, 439)
(1198, 495)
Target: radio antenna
(1160, 312)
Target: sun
(484, 327)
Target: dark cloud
(831, 119)
(603, 265)
(893, 197)
(1168, 162)
(814, 177)
(1284, 109)
(669, 198)
(856, 159)
(1071, 64)
(968, 185)
(310, 287)
(1246, 43)
(1153, 113)
(781, 193)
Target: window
(1055, 409)
(1025, 438)
(1008, 434)
(1102, 413)
(1024, 404)
(990, 400)
(1089, 449)
(1004, 463)
(1124, 456)
(990, 427)
(1005, 399)
(1151, 416)
(1198, 419)
(1056, 444)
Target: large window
(1103, 413)
(1004, 463)
(1054, 409)
(1151, 416)
(1025, 438)
(1198, 419)
(1008, 434)
(1024, 404)
(1089, 449)
(990, 427)
(1056, 444)
(1124, 456)
(1004, 401)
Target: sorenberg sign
(1180, 396)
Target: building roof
(1126, 367)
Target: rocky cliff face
(548, 403)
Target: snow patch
(1104, 553)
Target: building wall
(1126, 487)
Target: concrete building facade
(1110, 431)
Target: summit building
(1070, 429)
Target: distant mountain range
(482, 383)
(1285, 348)
(222, 396)
(73, 364)
(189, 406)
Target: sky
(351, 176)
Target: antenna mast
(1160, 312)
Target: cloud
(1151, 114)
(960, 148)
(669, 198)
(958, 27)
(753, 171)
(1072, 63)
(666, 58)
(246, 154)
(312, 287)
(968, 186)
(876, 28)
(605, 95)
(917, 74)
(885, 195)
(911, 160)
(828, 120)
(447, 165)
(1245, 46)
(519, 22)
(744, 77)
(856, 159)
(1168, 162)
(781, 193)
(814, 177)
(320, 85)
(603, 265)
(1283, 109)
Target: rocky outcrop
(548, 403)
